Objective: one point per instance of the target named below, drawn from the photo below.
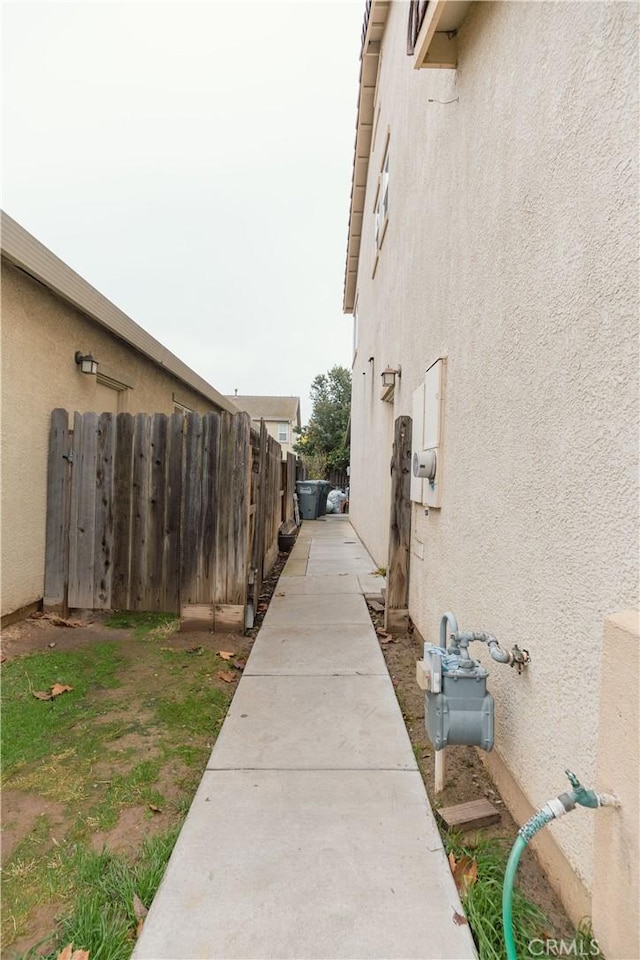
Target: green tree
(321, 444)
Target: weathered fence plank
(206, 546)
(173, 514)
(139, 592)
(257, 555)
(83, 509)
(223, 528)
(273, 508)
(156, 513)
(191, 508)
(122, 498)
(238, 546)
(103, 560)
(57, 530)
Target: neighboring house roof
(270, 408)
(28, 254)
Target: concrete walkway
(311, 836)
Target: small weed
(483, 902)
(31, 728)
(103, 919)
(125, 790)
(198, 712)
(145, 626)
(586, 944)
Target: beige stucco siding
(273, 428)
(40, 336)
(511, 249)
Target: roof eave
(22, 249)
(375, 20)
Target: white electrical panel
(417, 432)
(428, 422)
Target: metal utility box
(457, 707)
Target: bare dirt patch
(126, 750)
(20, 812)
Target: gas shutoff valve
(458, 708)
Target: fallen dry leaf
(80, 955)
(381, 632)
(154, 808)
(458, 918)
(139, 928)
(66, 953)
(465, 874)
(239, 664)
(2, 658)
(226, 654)
(281, 594)
(139, 908)
(452, 862)
(58, 621)
(55, 691)
(227, 677)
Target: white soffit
(372, 31)
(436, 45)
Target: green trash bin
(309, 492)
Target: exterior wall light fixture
(86, 363)
(389, 383)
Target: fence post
(396, 614)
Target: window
(432, 30)
(355, 331)
(179, 407)
(382, 201)
(283, 432)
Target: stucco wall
(511, 249)
(616, 892)
(40, 336)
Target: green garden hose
(552, 810)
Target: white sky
(192, 160)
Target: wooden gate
(159, 513)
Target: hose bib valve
(458, 707)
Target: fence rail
(163, 513)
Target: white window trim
(179, 407)
(381, 203)
(356, 332)
(284, 439)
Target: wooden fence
(163, 513)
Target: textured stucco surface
(616, 894)
(512, 249)
(40, 336)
